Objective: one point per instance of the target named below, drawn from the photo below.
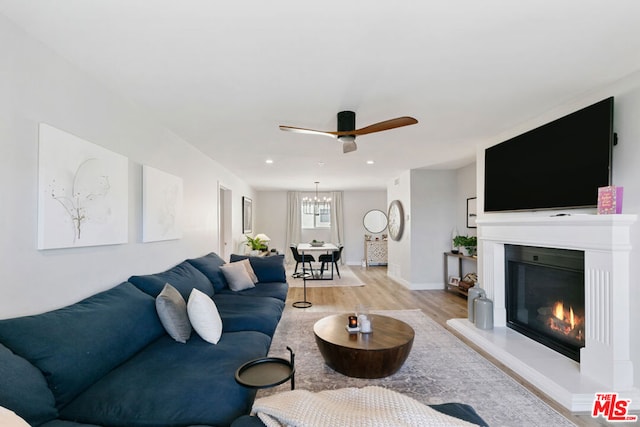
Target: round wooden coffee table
(374, 355)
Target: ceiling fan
(347, 131)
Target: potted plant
(256, 244)
(469, 243)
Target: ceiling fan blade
(307, 131)
(380, 126)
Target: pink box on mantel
(609, 200)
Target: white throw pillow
(9, 418)
(204, 316)
(237, 276)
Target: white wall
(356, 205)
(432, 201)
(271, 217)
(39, 86)
(626, 157)
(433, 217)
(399, 252)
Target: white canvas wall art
(82, 192)
(161, 205)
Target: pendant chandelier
(314, 205)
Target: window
(319, 217)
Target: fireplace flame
(558, 310)
(564, 321)
(572, 319)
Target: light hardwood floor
(382, 293)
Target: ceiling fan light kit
(347, 131)
(348, 143)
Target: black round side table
(267, 372)
(304, 303)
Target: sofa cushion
(210, 265)
(276, 290)
(247, 421)
(240, 313)
(204, 316)
(183, 277)
(237, 275)
(461, 411)
(267, 268)
(77, 345)
(64, 423)
(23, 389)
(171, 384)
(172, 310)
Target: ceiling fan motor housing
(346, 121)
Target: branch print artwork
(83, 201)
(82, 192)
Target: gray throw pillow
(172, 310)
(237, 276)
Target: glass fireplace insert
(545, 296)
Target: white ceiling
(224, 75)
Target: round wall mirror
(375, 221)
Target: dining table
(325, 247)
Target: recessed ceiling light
(370, 162)
(320, 164)
(268, 161)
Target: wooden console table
(460, 258)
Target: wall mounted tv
(558, 165)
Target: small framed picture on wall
(247, 215)
(472, 212)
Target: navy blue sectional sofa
(108, 361)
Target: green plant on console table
(468, 242)
(256, 244)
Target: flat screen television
(556, 166)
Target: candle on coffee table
(353, 322)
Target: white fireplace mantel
(605, 364)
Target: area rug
(347, 278)
(439, 369)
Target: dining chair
(301, 259)
(328, 258)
